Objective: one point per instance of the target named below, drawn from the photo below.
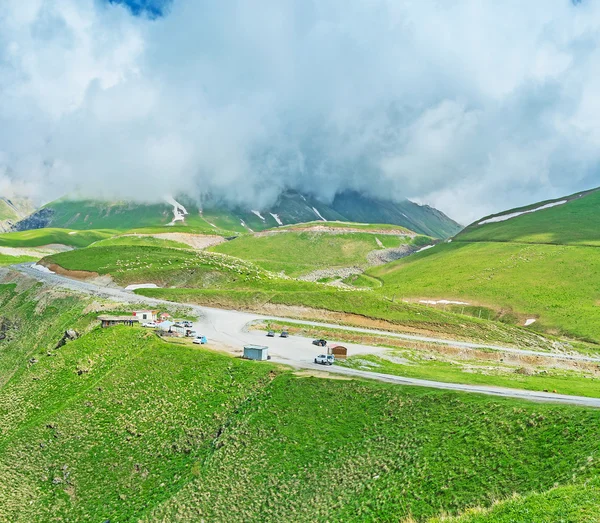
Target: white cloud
(473, 107)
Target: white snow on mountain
(505, 217)
(179, 211)
(276, 218)
(319, 214)
(259, 215)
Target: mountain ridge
(290, 208)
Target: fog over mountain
(471, 107)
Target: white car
(150, 325)
(199, 340)
(325, 359)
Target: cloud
(470, 107)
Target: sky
(472, 107)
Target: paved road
(229, 328)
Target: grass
(145, 241)
(121, 425)
(6, 259)
(474, 372)
(572, 223)
(40, 237)
(572, 503)
(297, 253)
(366, 227)
(135, 262)
(361, 308)
(559, 285)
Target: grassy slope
(40, 237)
(573, 503)
(556, 278)
(218, 280)
(129, 216)
(7, 212)
(6, 259)
(560, 284)
(87, 214)
(140, 263)
(120, 425)
(354, 307)
(147, 241)
(297, 253)
(573, 223)
(366, 227)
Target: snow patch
(425, 248)
(276, 218)
(505, 217)
(179, 211)
(243, 223)
(141, 286)
(259, 215)
(319, 214)
(443, 302)
(72, 233)
(529, 322)
(41, 268)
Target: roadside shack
(256, 352)
(340, 353)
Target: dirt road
(229, 328)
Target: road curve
(230, 328)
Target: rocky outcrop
(37, 220)
(68, 336)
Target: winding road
(230, 328)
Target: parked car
(150, 325)
(190, 333)
(325, 359)
(284, 334)
(320, 343)
(271, 334)
(199, 340)
(187, 324)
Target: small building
(109, 321)
(340, 353)
(146, 316)
(164, 316)
(256, 352)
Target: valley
(419, 316)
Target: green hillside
(121, 426)
(573, 503)
(41, 237)
(215, 279)
(500, 266)
(422, 219)
(297, 253)
(572, 223)
(142, 263)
